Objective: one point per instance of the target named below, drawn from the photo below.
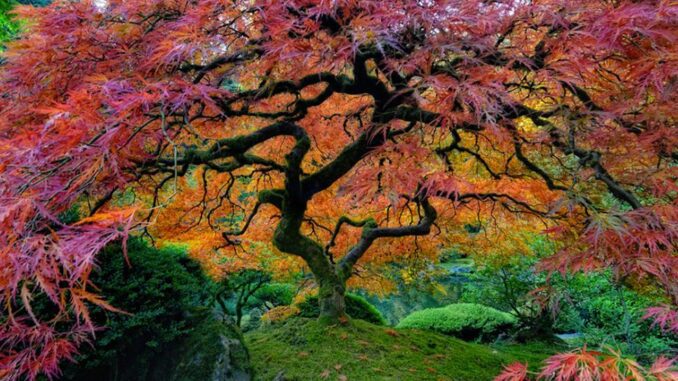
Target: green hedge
(466, 321)
(356, 307)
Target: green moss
(468, 321)
(304, 349)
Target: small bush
(356, 307)
(466, 321)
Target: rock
(213, 352)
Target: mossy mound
(466, 321)
(306, 349)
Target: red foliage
(585, 365)
(514, 372)
(665, 317)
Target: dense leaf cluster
(369, 131)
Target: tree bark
(331, 299)
(331, 286)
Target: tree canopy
(346, 134)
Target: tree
(514, 287)
(240, 286)
(338, 132)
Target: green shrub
(166, 294)
(612, 314)
(467, 321)
(356, 307)
(277, 294)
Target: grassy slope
(307, 350)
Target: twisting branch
(456, 147)
(242, 230)
(344, 220)
(372, 232)
(536, 169)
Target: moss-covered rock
(214, 351)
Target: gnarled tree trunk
(331, 299)
(331, 286)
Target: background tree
(336, 132)
(240, 286)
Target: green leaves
(8, 26)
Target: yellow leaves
(406, 276)
(108, 217)
(525, 125)
(96, 78)
(440, 288)
(279, 313)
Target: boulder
(214, 351)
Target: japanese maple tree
(345, 133)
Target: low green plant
(357, 307)
(274, 294)
(466, 321)
(269, 296)
(593, 307)
(246, 294)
